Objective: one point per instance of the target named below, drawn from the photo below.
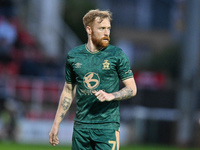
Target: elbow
(134, 92)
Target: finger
(100, 97)
(56, 140)
(52, 143)
(50, 138)
(94, 92)
(53, 139)
(99, 93)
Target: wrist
(56, 124)
(112, 96)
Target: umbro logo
(78, 65)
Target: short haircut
(89, 17)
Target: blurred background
(160, 37)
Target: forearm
(64, 104)
(124, 93)
(65, 101)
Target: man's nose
(107, 32)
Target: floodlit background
(160, 37)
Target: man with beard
(93, 71)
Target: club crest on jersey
(106, 65)
(78, 65)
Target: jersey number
(113, 143)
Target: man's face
(101, 32)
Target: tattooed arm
(124, 93)
(128, 91)
(65, 101)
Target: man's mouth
(106, 39)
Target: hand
(103, 96)
(53, 139)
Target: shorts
(95, 139)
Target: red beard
(100, 43)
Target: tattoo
(124, 93)
(62, 115)
(66, 103)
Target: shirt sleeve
(69, 73)
(123, 67)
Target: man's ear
(89, 30)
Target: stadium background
(161, 38)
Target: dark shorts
(95, 139)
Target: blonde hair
(89, 17)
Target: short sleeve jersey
(100, 70)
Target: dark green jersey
(99, 70)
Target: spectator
(8, 35)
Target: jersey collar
(91, 51)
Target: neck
(92, 47)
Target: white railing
(65, 33)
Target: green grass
(14, 146)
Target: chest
(101, 64)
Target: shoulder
(76, 50)
(114, 50)
(114, 47)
